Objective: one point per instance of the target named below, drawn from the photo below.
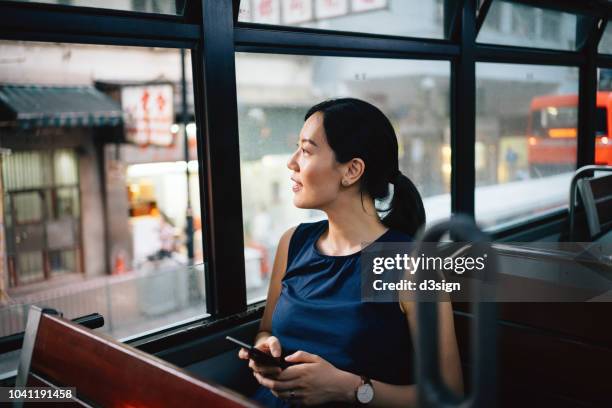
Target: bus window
(601, 122)
(525, 139)
(274, 94)
(94, 186)
(554, 121)
(522, 25)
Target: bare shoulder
(282, 253)
(278, 272)
(286, 237)
(406, 307)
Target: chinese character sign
(331, 8)
(297, 11)
(148, 114)
(266, 11)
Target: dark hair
(358, 129)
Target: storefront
(50, 164)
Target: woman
(344, 351)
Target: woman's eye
(301, 149)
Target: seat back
(590, 205)
(596, 198)
(105, 372)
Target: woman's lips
(296, 186)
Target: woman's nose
(292, 164)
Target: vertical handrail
(432, 392)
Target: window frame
(211, 31)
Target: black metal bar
(452, 19)
(192, 12)
(586, 31)
(93, 39)
(20, 18)
(483, 10)
(524, 55)
(604, 60)
(219, 156)
(319, 41)
(14, 341)
(587, 35)
(236, 9)
(463, 116)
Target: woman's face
(315, 173)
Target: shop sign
(266, 11)
(148, 114)
(331, 8)
(297, 11)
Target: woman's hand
(270, 345)
(312, 381)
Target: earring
(345, 183)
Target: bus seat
(545, 347)
(106, 372)
(596, 194)
(590, 217)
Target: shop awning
(57, 106)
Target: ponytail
(406, 213)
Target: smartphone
(259, 356)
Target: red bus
(552, 130)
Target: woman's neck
(350, 226)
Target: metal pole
(189, 211)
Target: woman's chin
(297, 202)
(300, 203)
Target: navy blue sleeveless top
(320, 311)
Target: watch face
(365, 393)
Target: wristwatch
(364, 394)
